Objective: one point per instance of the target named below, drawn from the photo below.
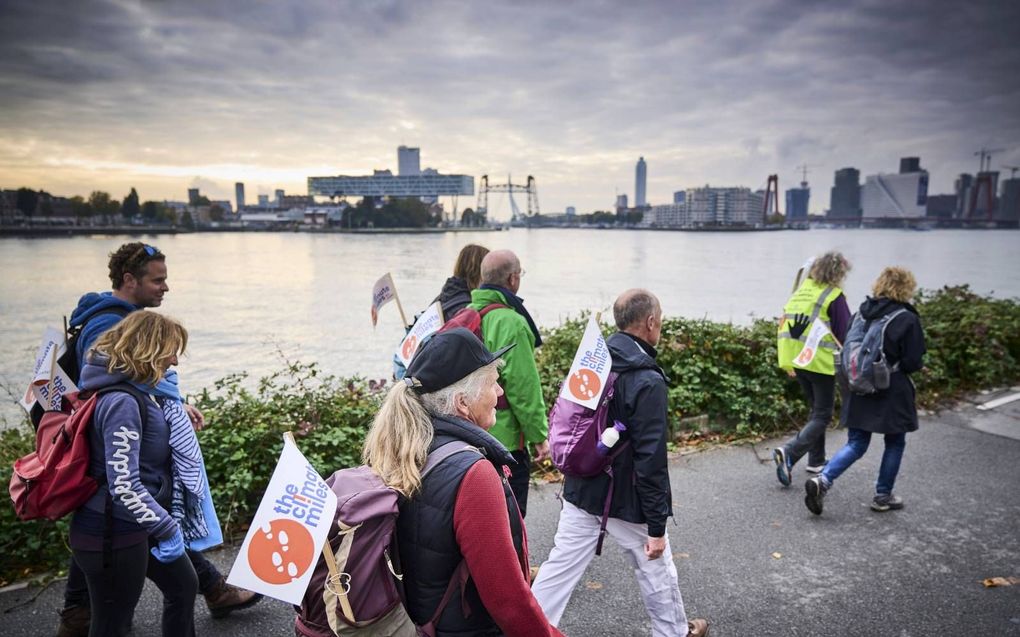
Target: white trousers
(574, 546)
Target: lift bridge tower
(510, 188)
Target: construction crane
(804, 171)
(509, 187)
(986, 157)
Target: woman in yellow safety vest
(814, 323)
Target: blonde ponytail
(398, 442)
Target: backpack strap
(492, 306)
(896, 366)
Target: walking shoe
(782, 466)
(74, 621)
(889, 502)
(816, 468)
(697, 628)
(224, 599)
(815, 488)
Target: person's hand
(196, 417)
(170, 549)
(654, 547)
(541, 451)
(799, 324)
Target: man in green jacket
(521, 419)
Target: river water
(248, 299)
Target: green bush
(724, 374)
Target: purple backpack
(355, 588)
(575, 434)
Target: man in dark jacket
(641, 498)
(138, 274)
(892, 411)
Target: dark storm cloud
(570, 91)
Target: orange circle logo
(410, 345)
(584, 384)
(280, 551)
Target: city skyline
(163, 97)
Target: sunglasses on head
(150, 250)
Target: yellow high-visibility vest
(812, 299)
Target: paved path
(914, 572)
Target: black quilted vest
(428, 547)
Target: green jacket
(526, 420)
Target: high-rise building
(239, 195)
(1009, 203)
(724, 207)
(680, 196)
(279, 196)
(845, 196)
(571, 211)
(903, 195)
(621, 203)
(962, 187)
(910, 165)
(408, 161)
(981, 192)
(640, 183)
(263, 201)
(193, 196)
(797, 202)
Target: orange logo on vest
(281, 551)
(584, 384)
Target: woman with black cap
(461, 521)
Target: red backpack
(471, 319)
(54, 480)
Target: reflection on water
(247, 298)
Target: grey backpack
(862, 361)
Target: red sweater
(483, 534)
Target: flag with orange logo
(282, 546)
(427, 324)
(590, 369)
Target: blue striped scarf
(190, 486)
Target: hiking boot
(816, 468)
(886, 502)
(815, 488)
(74, 621)
(782, 466)
(697, 628)
(224, 599)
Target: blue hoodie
(134, 463)
(88, 306)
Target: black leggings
(114, 594)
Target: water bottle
(610, 437)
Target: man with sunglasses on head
(138, 274)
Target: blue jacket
(89, 305)
(131, 464)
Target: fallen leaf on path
(777, 555)
(992, 582)
(593, 585)
(681, 556)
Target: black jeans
(520, 478)
(114, 592)
(76, 591)
(820, 391)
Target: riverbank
(131, 230)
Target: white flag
(590, 370)
(282, 546)
(811, 343)
(49, 380)
(382, 293)
(427, 324)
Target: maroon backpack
(54, 480)
(355, 588)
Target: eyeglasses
(522, 272)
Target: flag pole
(396, 297)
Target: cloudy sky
(110, 94)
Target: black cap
(448, 357)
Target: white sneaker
(812, 468)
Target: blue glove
(170, 549)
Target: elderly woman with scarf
(460, 522)
(154, 496)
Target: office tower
(962, 187)
(263, 201)
(680, 196)
(571, 211)
(797, 202)
(408, 161)
(895, 196)
(239, 195)
(193, 196)
(640, 182)
(621, 203)
(910, 165)
(1009, 203)
(279, 196)
(845, 196)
